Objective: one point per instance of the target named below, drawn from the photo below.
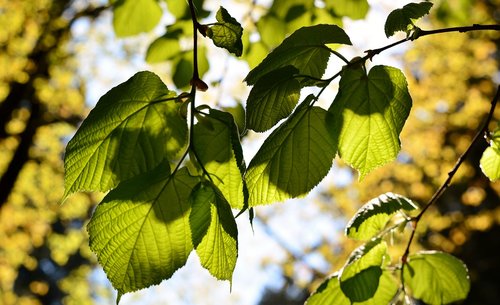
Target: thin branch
(483, 130)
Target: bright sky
(298, 223)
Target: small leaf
(293, 159)
(216, 142)
(401, 19)
(140, 232)
(132, 17)
(354, 9)
(490, 161)
(273, 98)
(369, 112)
(226, 33)
(305, 50)
(131, 130)
(359, 278)
(183, 72)
(436, 277)
(330, 292)
(373, 216)
(215, 235)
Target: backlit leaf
(354, 9)
(293, 159)
(216, 142)
(131, 130)
(273, 98)
(305, 50)
(372, 217)
(131, 17)
(217, 243)
(369, 112)
(436, 277)
(226, 33)
(490, 161)
(164, 47)
(141, 232)
(401, 19)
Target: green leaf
(184, 67)
(354, 9)
(330, 292)
(401, 19)
(305, 50)
(369, 112)
(130, 131)
(436, 277)
(238, 113)
(359, 278)
(216, 142)
(131, 17)
(490, 161)
(215, 235)
(164, 47)
(140, 232)
(293, 159)
(373, 216)
(273, 98)
(226, 33)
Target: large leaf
(130, 131)
(490, 161)
(293, 159)
(330, 292)
(141, 232)
(215, 235)
(305, 50)
(401, 19)
(359, 279)
(216, 142)
(436, 277)
(226, 33)
(272, 98)
(131, 17)
(374, 215)
(369, 112)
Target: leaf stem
(483, 130)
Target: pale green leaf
(131, 130)
(354, 9)
(226, 33)
(401, 19)
(436, 277)
(369, 112)
(490, 161)
(273, 98)
(132, 17)
(215, 235)
(330, 292)
(141, 232)
(305, 50)
(164, 48)
(216, 142)
(293, 159)
(373, 216)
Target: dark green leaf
(132, 17)
(305, 50)
(226, 33)
(140, 231)
(436, 277)
(372, 217)
(215, 235)
(183, 72)
(363, 285)
(273, 98)
(293, 159)
(216, 142)
(130, 131)
(369, 112)
(401, 19)
(238, 113)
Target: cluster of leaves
(174, 178)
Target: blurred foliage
(44, 255)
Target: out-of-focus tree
(44, 256)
